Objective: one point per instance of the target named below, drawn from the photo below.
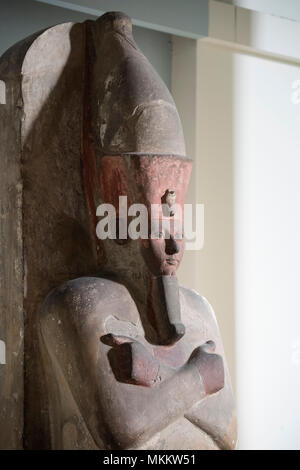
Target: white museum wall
(281, 8)
(266, 167)
(247, 175)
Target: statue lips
(172, 261)
(170, 265)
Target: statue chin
(169, 268)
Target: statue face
(164, 181)
(164, 248)
(159, 183)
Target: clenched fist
(130, 361)
(210, 367)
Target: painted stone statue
(117, 355)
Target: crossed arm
(151, 404)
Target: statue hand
(130, 361)
(210, 367)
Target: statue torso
(75, 318)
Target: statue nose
(171, 246)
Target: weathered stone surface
(11, 271)
(135, 112)
(118, 414)
(58, 241)
(11, 249)
(46, 235)
(117, 355)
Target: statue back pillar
(46, 236)
(11, 266)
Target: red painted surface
(114, 181)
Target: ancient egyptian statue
(116, 354)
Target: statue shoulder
(196, 308)
(87, 295)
